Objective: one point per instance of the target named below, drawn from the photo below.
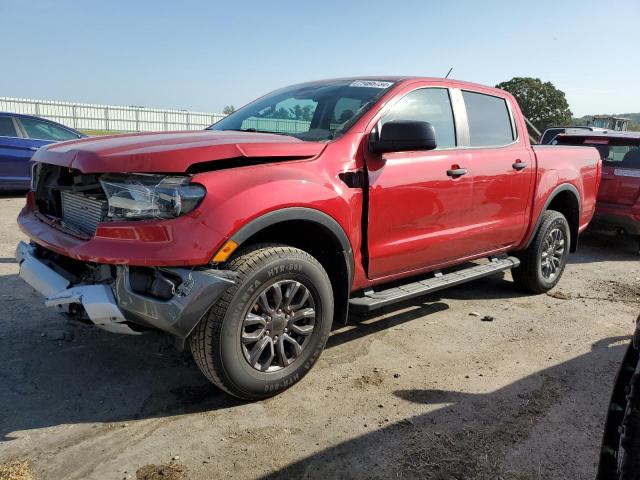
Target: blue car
(20, 136)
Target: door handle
(518, 165)
(456, 172)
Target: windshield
(310, 111)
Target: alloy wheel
(553, 249)
(278, 326)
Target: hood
(173, 152)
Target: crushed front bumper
(115, 305)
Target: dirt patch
(373, 379)
(475, 453)
(559, 294)
(167, 471)
(615, 291)
(15, 471)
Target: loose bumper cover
(114, 305)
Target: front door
(418, 212)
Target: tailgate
(620, 183)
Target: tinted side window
(489, 120)
(613, 154)
(427, 105)
(626, 156)
(7, 129)
(39, 130)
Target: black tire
(530, 275)
(217, 344)
(629, 449)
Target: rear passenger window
(427, 105)
(7, 129)
(489, 120)
(626, 156)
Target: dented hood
(173, 152)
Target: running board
(372, 300)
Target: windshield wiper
(253, 130)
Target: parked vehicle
(618, 202)
(620, 453)
(611, 122)
(20, 136)
(549, 135)
(248, 240)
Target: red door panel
(501, 195)
(418, 215)
(619, 186)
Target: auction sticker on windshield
(371, 84)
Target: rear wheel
(268, 329)
(543, 262)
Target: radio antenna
(447, 75)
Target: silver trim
(37, 274)
(110, 305)
(98, 300)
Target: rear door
(503, 172)
(620, 184)
(15, 153)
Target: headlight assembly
(141, 196)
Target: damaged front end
(121, 298)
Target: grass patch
(95, 133)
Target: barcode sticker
(371, 84)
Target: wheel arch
(314, 232)
(565, 199)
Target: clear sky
(202, 55)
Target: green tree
(229, 109)
(542, 103)
(302, 113)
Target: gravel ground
(425, 390)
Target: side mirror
(405, 135)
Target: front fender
(241, 201)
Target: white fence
(86, 116)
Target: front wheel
(543, 262)
(268, 329)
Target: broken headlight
(142, 196)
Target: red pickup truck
(247, 240)
(618, 201)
